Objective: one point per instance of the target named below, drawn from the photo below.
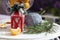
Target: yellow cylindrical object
(15, 31)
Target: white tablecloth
(4, 18)
(42, 36)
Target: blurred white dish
(41, 36)
(4, 18)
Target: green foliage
(0, 1)
(42, 27)
(51, 10)
(55, 11)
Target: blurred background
(50, 6)
(47, 8)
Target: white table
(42, 36)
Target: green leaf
(42, 27)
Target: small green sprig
(42, 27)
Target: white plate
(4, 18)
(6, 34)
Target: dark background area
(45, 4)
